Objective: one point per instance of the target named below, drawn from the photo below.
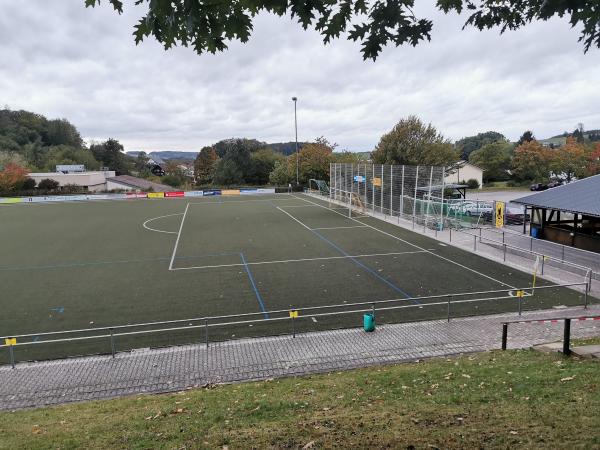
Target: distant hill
(167, 154)
(285, 148)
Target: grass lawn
(488, 400)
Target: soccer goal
(349, 202)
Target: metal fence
(413, 193)
(444, 306)
(553, 250)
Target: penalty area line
(285, 261)
(410, 243)
(178, 236)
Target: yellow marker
(520, 293)
(294, 313)
(499, 214)
(10, 341)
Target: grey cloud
(63, 60)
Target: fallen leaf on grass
(310, 444)
(568, 378)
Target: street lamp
(295, 100)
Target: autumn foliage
(12, 177)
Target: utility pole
(295, 100)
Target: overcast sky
(62, 60)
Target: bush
(473, 184)
(28, 184)
(48, 185)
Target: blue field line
(118, 261)
(367, 268)
(258, 296)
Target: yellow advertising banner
(11, 200)
(156, 194)
(230, 192)
(377, 182)
(500, 214)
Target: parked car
(538, 187)
(472, 208)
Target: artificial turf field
(68, 266)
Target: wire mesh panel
(414, 193)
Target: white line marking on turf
(410, 243)
(160, 217)
(339, 228)
(287, 213)
(178, 236)
(284, 261)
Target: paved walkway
(177, 368)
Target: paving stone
(171, 369)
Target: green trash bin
(369, 322)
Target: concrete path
(177, 368)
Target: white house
(464, 171)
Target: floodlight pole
(295, 100)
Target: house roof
(463, 163)
(140, 183)
(582, 197)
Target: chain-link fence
(414, 193)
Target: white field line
(339, 228)
(220, 202)
(285, 261)
(145, 224)
(298, 206)
(289, 215)
(413, 245)
(178, 236)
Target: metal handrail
(568, 263)
(206, 320)
(282, 311)
(515, 233)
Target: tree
(526, 137)
(13, 158)
(66, 154)
(314, 160)
(593, 165)
(469, 144)
(61, 132)
(12, 177)
(234, 166)
(571, 160)
(411, 142)
(204, 166)
(250, 145)
(349, 157)
(262, 164)
(532, 161)
(228, 173)
(141, 161)
(283, 173)
(207, 26)
(110, 153)
(494, 158)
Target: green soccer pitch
(67, 266)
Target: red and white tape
(558, 320)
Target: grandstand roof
(581, 197)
